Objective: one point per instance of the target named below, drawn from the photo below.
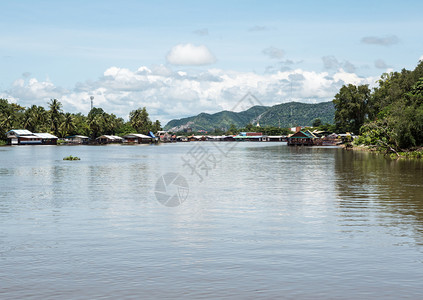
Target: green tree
(68, 125)
(55, 115)
(317, 123)
(156, 126)
(139, 120)
(351, 107)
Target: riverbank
(411, 154)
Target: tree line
(54, 120)
(389, 116)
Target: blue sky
(180, 58)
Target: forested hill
(295, 113)
(283, 115)
(222, 119)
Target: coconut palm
(68, 125)
(55, 115)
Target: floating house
(26, 137)
(251, 137)
(109, 139)
(220, 138)
(77, 139)
(304, 138)
(276, 138)
(166, 137)
(137, 138)
(47, 138)
(22, 137)
(182, 138)
(331, 140)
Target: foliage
(394, 110)
(140, 121)
(54, 120)
(317, 122)
(351, 107)
(70, 157)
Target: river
(209, 220)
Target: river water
(256, 220)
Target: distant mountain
(220, 120)
(283, 115)
(295, 113)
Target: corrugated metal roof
(138, 135)
(46, 135)
(19, 132)
(77, 136)
(110, 137)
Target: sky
(180, 58)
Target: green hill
(220, 120)
(295, 113)
(283, 115)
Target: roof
(137, 135)
(303, 134)
(248, 137)
(110, 137)
(45, 135)
(19, 132)
(77, 136)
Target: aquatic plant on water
(70, 157)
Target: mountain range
(281, 115)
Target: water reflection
(269, 220)
(372, 188)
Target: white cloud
(189, 54)
(169, 94)
(421, 58)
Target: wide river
(227, 220)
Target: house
(77, 139)
(331, 140)
(47, 138)
(182, 138)
(109, 139)
(26, 137)
(304, 138)
(276, 138)
(220, 138)
(297, 128)
(251, 137)
(165, 137)
(22, 137)
(195, 138)
(137, 138)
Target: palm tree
(139, 120)
(68, 125)
(55, 115)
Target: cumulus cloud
(169, 94)
(381, 41)
(421, 58)
(273, 52)
(380, 64)
(189, 54)
(201, 32)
